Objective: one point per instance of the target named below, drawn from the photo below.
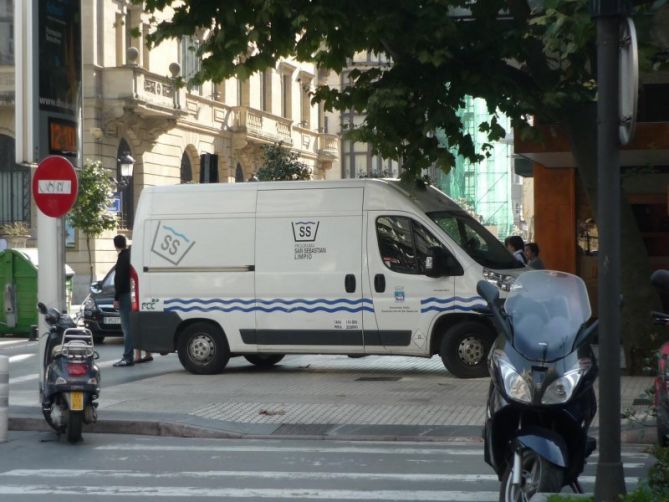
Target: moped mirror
(96, 355)
(95, 287)
(42, 308)
(488, 292)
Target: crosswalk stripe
(284, 475)
(267, 493)
(20, 357)
(35, 376)
(293, 449)
(6, 343)
(24, 378)
(316, 449)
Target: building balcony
(328, 146)
(147, 94)
(7, 86)
(261, 126)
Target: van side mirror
(96, 287)
(439, 263)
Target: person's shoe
(123, 362)
(144, 359)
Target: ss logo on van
(171, 243)
(305, 231)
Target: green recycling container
(18, 290)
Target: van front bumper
(154, 331)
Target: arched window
(125, 187)
(239, 173)
(14, 185)
(186, 169)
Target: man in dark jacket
(122, 297)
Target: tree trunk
(639, 336)
(90, 258)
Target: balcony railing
(328, 145)
(6, 85)
(153, 95)
(261, 125)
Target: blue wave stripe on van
(188, 301)
(454, 308)
(450, 300)
(287, 310)
(279, 301)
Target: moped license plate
(76, 401)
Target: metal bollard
(4, 397)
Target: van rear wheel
(264, 360)
(464, 349)
(203, 349)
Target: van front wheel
(464, 349)
(203, 349)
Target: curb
(174, 429)
(166, 428)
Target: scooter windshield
(546, 310)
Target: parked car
(98, 312)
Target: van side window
(423, 241)
(404, 244)
(396, 244)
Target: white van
(340, 267)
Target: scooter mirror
(488, 292)
(41, 307)
(96, 355)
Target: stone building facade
(131, 106)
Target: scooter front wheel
(538, 475)
(74, 425)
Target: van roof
(426, 197)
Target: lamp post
(610, 481)
(126, 164)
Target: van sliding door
(308, 271)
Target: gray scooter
(71, 382)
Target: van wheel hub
(470, 350)
(202, 349)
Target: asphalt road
(106, 467)
(24, 367)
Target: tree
(90, 213)
(524, 61)
(282, 164)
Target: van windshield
(475, 240)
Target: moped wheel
(75, 422)
(264, 360)
(538, 475)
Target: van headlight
(502, 281)
(561, 389)
(515, 385)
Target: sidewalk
(375, 397)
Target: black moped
(71, 380)
(541, 400)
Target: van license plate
(76, 401)
(112, 320)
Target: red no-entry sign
(55, 186)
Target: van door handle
(379, 283)
(349, 283)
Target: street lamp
(126, 163)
